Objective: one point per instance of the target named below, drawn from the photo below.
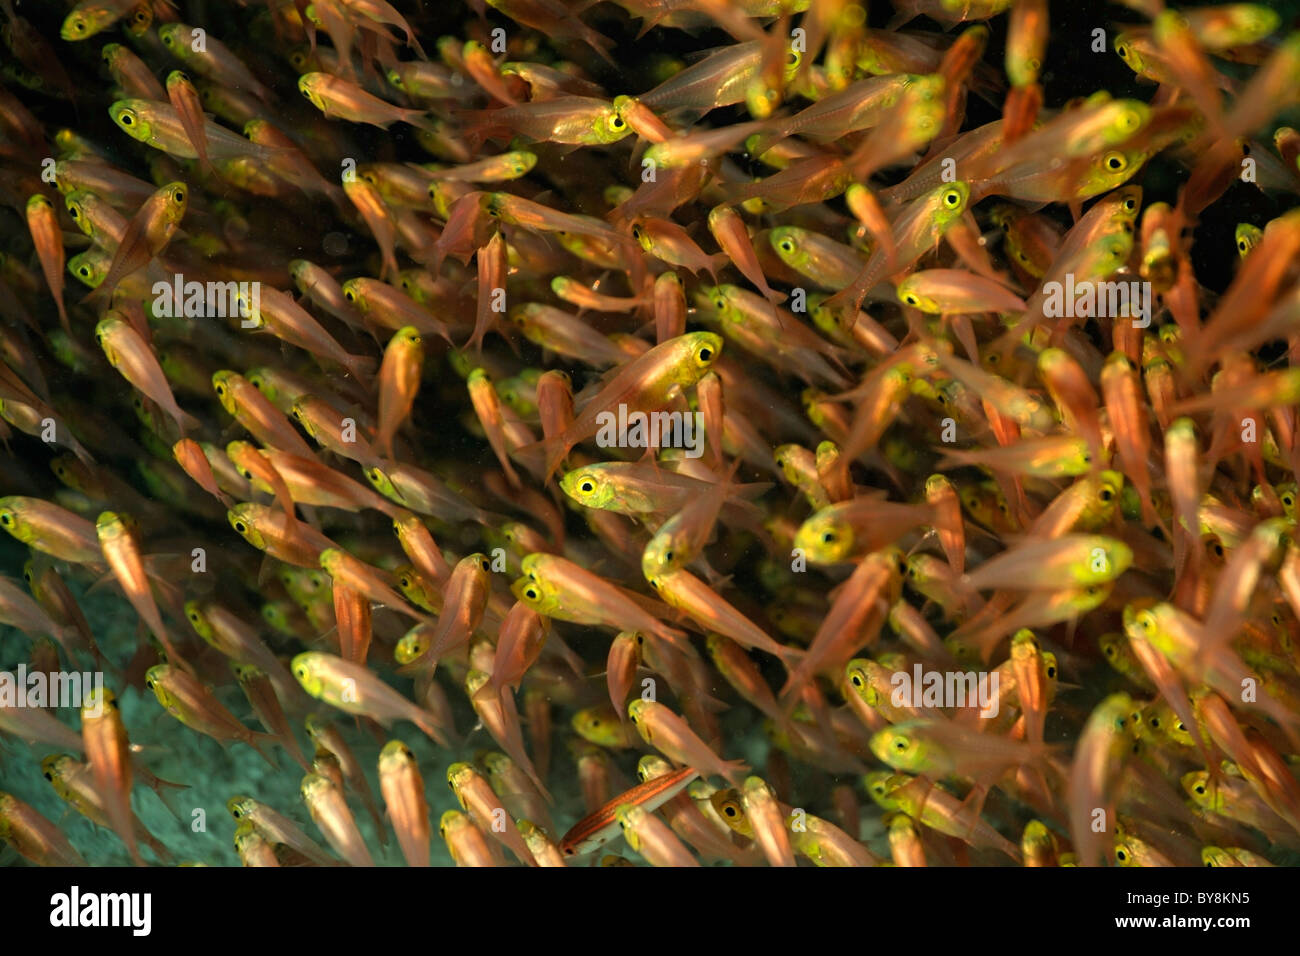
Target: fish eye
(1199, 788)
(1106, 494)
(49, 776)
(350, 295)
(1130, 204)
(83, 271)
(705, 354)
(900, 744)
(6, 518)
(179, 195)
(587, 486)
(951, 198)
(786, 244)
(531, 593)
(828, 537)
(616, 122)
(1115, 162)
(241, 527)
(669, 555)
(1121, 855)
(307, 93)
(1109, 650)
(855, 679)
(194, 616)
(485, 564)
(1288, 499)
(911, 299)
(1155, 723)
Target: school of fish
(788, 427)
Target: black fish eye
(1107, 494)
(828, 537)
(179, 195)
(307, 93)
(241, 527)
(787, 245)
(617, 122)
(49, 776)
(856, 680)
(705, 354)
(221, 390)
(1051, 672)
(531, 594)
(128, 119)
(588, 487)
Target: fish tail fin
(257, 741)
(734, 771)
(430, 728)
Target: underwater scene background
(473, 243)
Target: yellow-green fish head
(131, 120)
(825, 538)
(241, 519)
